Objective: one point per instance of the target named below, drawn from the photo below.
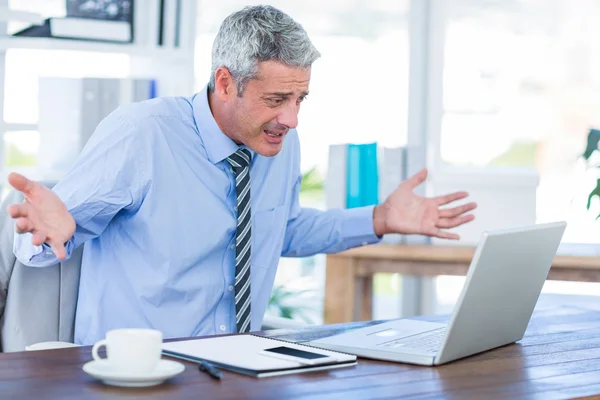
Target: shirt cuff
(36, 256)
(357, 227)
(23, 249)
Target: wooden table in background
(558, 358)
(349, 276)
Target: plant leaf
(311, 181)
(595, 192)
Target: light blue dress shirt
(154, 202)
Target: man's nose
(289, 116)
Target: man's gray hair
(255, 34)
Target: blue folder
(362, 180)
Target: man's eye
(275, 102)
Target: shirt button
(222, 327)
(230, 288)
(48, 253)
(235, 208)
(364, 243)
(232, 246)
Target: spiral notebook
(257, 356)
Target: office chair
(36, 304)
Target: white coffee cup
(131, 351)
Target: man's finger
(23, 225)
(417, 178)
(20, 183)
(17, 210)
(447, 235)
(59, 249)
(38, 238)
(456, 211)
(447, 223)
(449, 198)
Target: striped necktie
(240, 161)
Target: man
(187, 204)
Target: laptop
(504, 281)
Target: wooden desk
(349, 276)
(558, 358)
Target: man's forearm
(314, 231)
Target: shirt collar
(218, 145)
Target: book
(81, 29)
(257, 356)
(169, 21)
(335, 181)
(115, 10)
(362, 175)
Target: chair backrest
(36, 304)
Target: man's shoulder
(158, 108)
(143, 119)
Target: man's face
(268, 107)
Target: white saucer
(164, 370)
(49, 346)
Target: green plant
(13, 156)
(288, 303)
(591, 149)
(312, 181)
(312, 185)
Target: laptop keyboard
(428, 342)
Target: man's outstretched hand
(43, 214)
(407, 213)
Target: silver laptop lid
(503, 284)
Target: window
(23, 68)
(522, 89)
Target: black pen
(209, 369)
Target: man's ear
(225, 87)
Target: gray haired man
(186, 204)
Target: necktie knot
(239, 159)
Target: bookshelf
(165, 54)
